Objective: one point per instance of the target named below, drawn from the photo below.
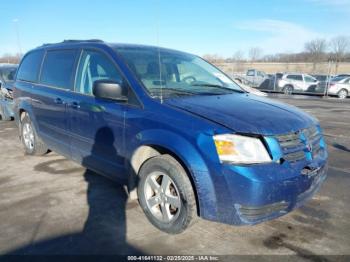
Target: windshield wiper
(219, 86)
(167, 90)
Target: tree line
(336, 49)
(10, 58)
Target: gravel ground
(50, 205)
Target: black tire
(288, 90)
(342, 94)
(39, 148)
(187, 212)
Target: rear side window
(30, 66)
(279, 75)
(309, 79)
(58, 68)
(295, 77)
(250, 73)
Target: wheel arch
(148, 151)
(185, 153)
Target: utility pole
(15, 21)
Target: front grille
(296, 145)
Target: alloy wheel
(28, 136)
(162, 197)
(342, 94)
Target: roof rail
(66, 41)
(77, 41)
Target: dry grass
(283, 67)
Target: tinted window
(338, 78)
(295, 77)
(320, 77)
(58, 68)
(94, 66)
(309, 79)
(251, 73)
(279, 75)
(30, 66)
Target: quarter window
(58, 68)
(94, 66)
(30, 66)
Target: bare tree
(255, 53)
(237, 59)
(213, 58)
(339, 46)
(316, 50)
(10, 58)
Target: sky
(198, 26)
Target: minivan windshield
(170, 73)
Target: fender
(24, 103)
(190, 156)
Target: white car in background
(339, 86)
(296, 82)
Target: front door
(97, 125)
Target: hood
(246, 113)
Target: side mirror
(108, 89)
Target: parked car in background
(343, 75)
(339, 86)
(323, 82)
(172, 125)
(252, 77)
(7, 74)
(295, 82)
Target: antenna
(159, 58)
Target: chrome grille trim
(294, 147)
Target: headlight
(240, 149)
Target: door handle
(58, 101)
(75, 105)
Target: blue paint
(185, 127)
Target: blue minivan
(179, 133)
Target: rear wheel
(165, 194)
(288, 90)
(342, 94)
(31, 142)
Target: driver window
(94, 66)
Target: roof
(75, 43)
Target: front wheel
(31, 142)
(165, 194)
(342, 94)
(288, 90)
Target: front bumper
(247, 195)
